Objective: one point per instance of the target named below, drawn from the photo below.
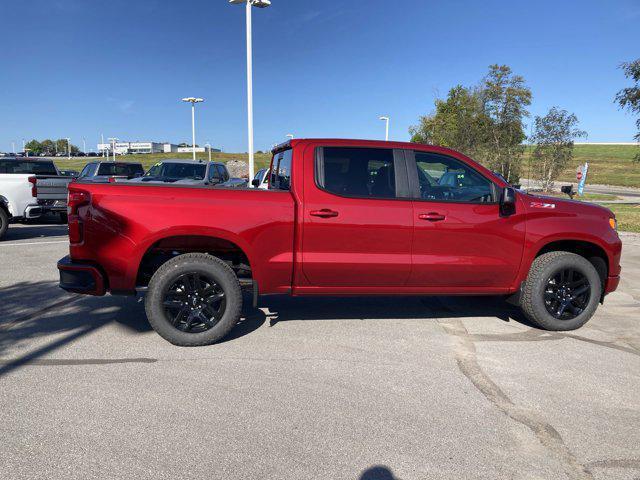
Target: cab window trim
(414, 184)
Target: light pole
(208, 145)
(13, 147)
(113, 143)
(103, 149)
(68, 148)
(193, 101)
(249, 4)
(84, 145)
(290, 135)
(386, 120)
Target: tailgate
(53, 189)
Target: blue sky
(327, 68)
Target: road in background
(373, 388)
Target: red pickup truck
(340, 217)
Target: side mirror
(507, 202)
(255, 182)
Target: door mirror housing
(507, 202)
(255, 182)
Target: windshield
(177, 171)
(28, 166)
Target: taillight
(34, 187)
(75, 199)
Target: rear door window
(357, 172)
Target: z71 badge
(542, 205)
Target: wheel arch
(591, 251)
(235, 252)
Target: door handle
(324, 213)
(431, 217)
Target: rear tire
(193, 300)
(562, 291)
(4, 222)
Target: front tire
(561, 292)
(193, 300)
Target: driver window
(447, 179)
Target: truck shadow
(283, 309)
(37, 318)
(19, 231)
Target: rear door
(358, 221)
(460, 238)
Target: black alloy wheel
(194, 303)
(567, 294)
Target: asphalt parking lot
(375, 388)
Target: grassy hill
(608, 164)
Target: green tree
(34, 147)
(506, 98)
(486, 122)
(553, 138)
(459, 122)
(629, 98)
(62, 146)
(48, 147)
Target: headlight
(613, 224)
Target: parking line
(31, 243)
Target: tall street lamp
(193, 101)
(249, 4)
(386, 135)
(68, 148)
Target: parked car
(261, 179)
(101, 172)
(49, 186)
(341, 217)
(92, 154)
(191, 172)
(18, 192)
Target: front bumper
(81, 277)
(611, 284)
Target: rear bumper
(80, 278)
(56, 206)
(33, 211)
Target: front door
(357, 231)
(460, 238)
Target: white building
(132, 148)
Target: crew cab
(340, 217)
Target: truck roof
(354, 142)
